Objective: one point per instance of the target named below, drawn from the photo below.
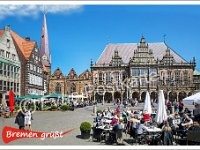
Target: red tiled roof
(1, 32)
(126, 51)
(26, 47)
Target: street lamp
(148, 88)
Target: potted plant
(64, 107)
(17, 108)
(53, 107)
(85, 128)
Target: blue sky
(79, 34)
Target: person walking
(20, 119)
(27, 121)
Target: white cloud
(33, 10)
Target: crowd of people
(137, 122)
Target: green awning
(29, 97)
(9, 62)
(53, 96)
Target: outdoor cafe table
(104, 128)
(152, 129)
(109, 117)
(153, 132)
(107, 121)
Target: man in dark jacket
(20, 120)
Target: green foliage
(65, 107)
(85, 126)
(99, 111)
(53, 107)
(17, 107)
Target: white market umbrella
(192, 99)
(161, 109)
(147, 104)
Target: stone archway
(135, 95)
(172, 96)
(98, 98)
(182, 95)
(117, 95)
(154, 95)
(108, 97)
(165, 95)
(190, 93)
(143, 95)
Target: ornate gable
(168, 58)
(72, 74)
(57, 74)
(142, 55)
(85, 75)
(116, 59)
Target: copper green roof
(196, 72)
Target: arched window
(58, 88)
(72, 88)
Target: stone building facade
(10, 66)
(129, 70)
(72, 83)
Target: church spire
(44, 43)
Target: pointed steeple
(44, 44)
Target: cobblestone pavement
(47, 121)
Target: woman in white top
(27, 120)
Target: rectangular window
(17, 87)
(2, 53)
(185, 78)
(7, 54)
(108, 76)
(5, 70)
(4, 85)
(1, 85)
(135, 72)
(1, 68)
(100, 76)
(116, 76)
(8, 71)
(8, 86)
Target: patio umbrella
(147, 104)
(161, 110)
(28, 97)
(53, 96)
(11, 100)
(192, 99)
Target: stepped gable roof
(58, 73)
(126, 51)
(26, 47)
(72, 74)
(85, 75)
